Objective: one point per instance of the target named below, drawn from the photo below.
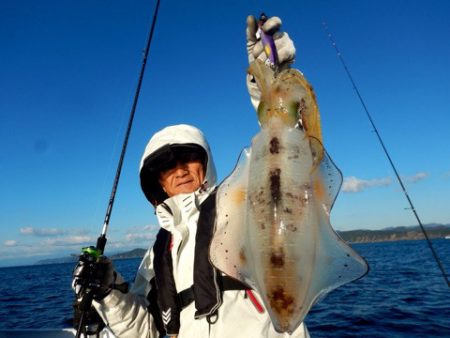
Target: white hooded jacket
(127, 314)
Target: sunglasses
(169, 156)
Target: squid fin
(226, 248)
(336, 262)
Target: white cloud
(69, 240)
(41, 232)
(47, 247)
(353, 184)
(26, 231)
(140, 228)
(142, 234)
(415, 178)
(42, 242)
(10, 242)
(139, 237)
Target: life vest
(166, 302)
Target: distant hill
(66, 259)
(353, 236)
(135, 253)
(396, 233)
(73, 258)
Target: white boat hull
(49, 333)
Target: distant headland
(409, 233)
(405, 233)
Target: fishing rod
(101, 241)
(92, 254)
(399, 179)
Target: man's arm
(127, 315)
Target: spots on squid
(314, 155)
(274, 145)
(291, 195)
(242, 256)
(302, 199)
(260, 197)
(302, 110)
(291, 227)
(306, 186)
(281, 301)
(275, 184)
(288, 210)
(257, 200)
(277, 258)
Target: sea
(403, 295)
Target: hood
(161, 146)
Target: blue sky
(69, 71)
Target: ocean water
(404, 295)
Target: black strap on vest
(165, 283)
(207, 297)
(186, 296)
(154, 309)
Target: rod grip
(101, 243)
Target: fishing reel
(86, 319)
(87, 272)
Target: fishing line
(412, 208)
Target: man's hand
(97, 276)
(284, 48)
(284, 45)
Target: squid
(272, 229)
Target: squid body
(272, 229)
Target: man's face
(185, 177)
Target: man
(177, 291)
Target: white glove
(255, 50)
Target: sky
(68, 74)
